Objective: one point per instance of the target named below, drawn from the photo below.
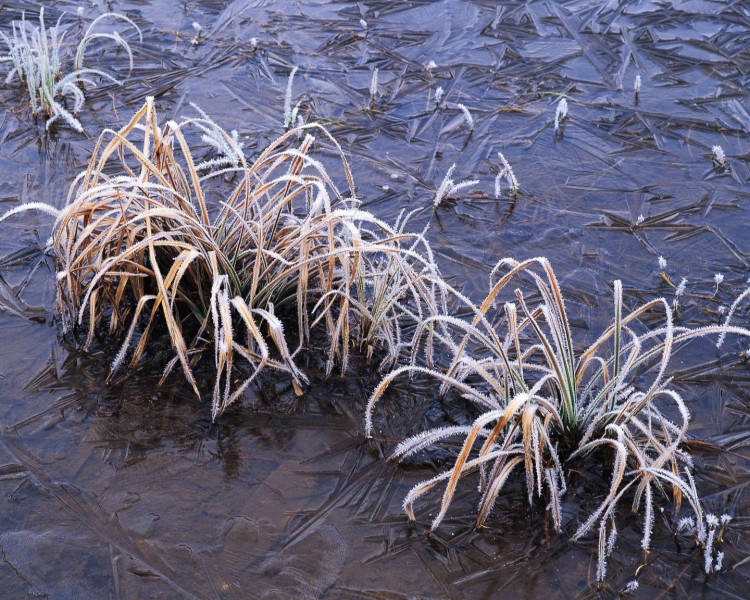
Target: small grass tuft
(37, 56)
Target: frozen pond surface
(130, 491)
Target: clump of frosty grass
(138, 253)
(545, 407)
(36, 55)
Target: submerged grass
(545, 406)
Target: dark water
(129, 490)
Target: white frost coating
(561, 113)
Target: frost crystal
(718, 156)
(681, 287)
(686, 524)
(561, 113)
(374, 84)
(438, 95)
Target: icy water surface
(130, 491)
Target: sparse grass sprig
(561, 114)
(449, 188)
(439, 95)
(91, 34)
(37, 57)
(228, 147)
(545, 406)
(290, 112)
(505, 173)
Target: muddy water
(129, 490)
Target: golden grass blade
(492, 492)
(502, 416)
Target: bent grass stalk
(467, 115)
